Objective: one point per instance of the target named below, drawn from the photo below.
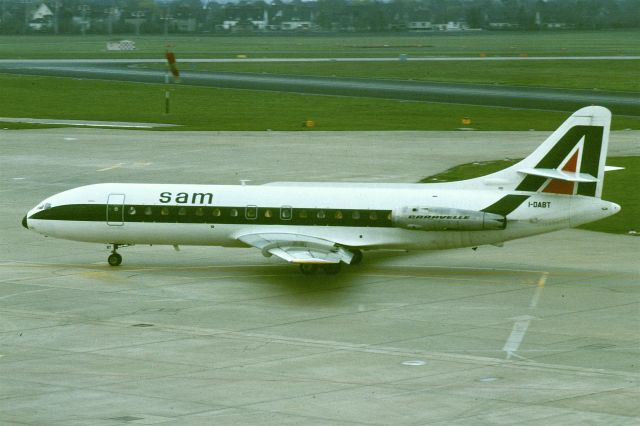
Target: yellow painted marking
(541, 282)
(101, 276)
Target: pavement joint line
(8, 296)
(441, 356)
(378, 349)
(443, 277)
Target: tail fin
(571, 160)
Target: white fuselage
(351, 215)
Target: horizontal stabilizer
(612, 168)
(560, 175)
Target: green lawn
(620, 187)
(198, 108)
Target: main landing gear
(330, 268)
(357, 257)
(114, 259)
(312, 268)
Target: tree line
(196, 16)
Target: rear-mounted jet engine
(446, 219)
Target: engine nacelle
(446, 219)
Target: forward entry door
(115, 210)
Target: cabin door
(115, 210)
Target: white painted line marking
(115, 166)
(416, 362)
(517, 335)
(522, 322)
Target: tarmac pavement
(542, 331)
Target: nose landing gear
(114, 259)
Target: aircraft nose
(24, 222)
(616, 207)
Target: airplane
(321, 226)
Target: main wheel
(332, 268)
(114, 259)
(308, 268)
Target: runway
(619, 103)
(544, 330)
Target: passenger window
(164, 211)
(268, 214)
(321, 214)
(217, 212)
(148, 211)
(302, 214)
(251, 212)
(199, 212)
(355, 215)
(182, 211)
(373, 216)
(132, 211)
(233, 212)
(285, 213)
(338, 215)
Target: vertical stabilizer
(571, 161)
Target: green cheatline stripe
(247, 215)
(506, 205)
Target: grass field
(620, 187)
(566, 74)
(557, 43)
(197, 108)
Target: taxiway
(619, 103)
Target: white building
(419, 26)
(42, 18)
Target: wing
(298, 248)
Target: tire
(114, 259)
(332, 268)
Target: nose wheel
(114, 259)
